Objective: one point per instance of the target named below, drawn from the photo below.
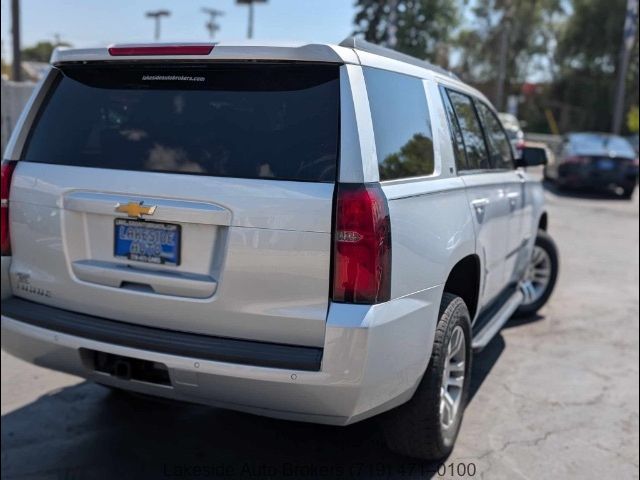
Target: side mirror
(532, 157)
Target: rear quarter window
(401, 124)
(272, 121)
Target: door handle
(513, 199)
(479, 206)
(480, 203)
(161, 282)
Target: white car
(311, 232)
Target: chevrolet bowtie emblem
(135, 209)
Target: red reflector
(576, 160)
(161, 50)
(362, 245)
(5, 186)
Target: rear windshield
(277, 121)
(601, 144)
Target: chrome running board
(484, 336)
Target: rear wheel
(628, 192)
(541, 275)
(427, 426)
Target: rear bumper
(372, 360)
(159, 340)
(5, 281)
(579, 177)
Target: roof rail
(364, 46)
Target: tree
(516, 35)
(633, 119)
(414, 158)
(41, 51)
(421, 28)
(587, 53)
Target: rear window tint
(249, 121)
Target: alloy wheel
(452, 386)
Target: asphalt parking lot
(555, 396)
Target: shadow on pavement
(518, 321)
(86, 432)
(483, 362)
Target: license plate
(606, 164)
(150, 242)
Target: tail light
(5, 186)
(362, 245)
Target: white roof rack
(364, 46)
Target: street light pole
(157, 15)
(250, 27)
(249, 3)
(16, 64)
(211, 25)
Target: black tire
(628, 193)
(414, 429)
(543, 240)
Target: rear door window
(401, 124)
(497, 140)
(475, 147)
(271, 121)
(456, 134)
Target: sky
(88, 23)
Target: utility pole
(250, 3)
(211, 25)
(250, 27)
(16, 64)
(393, 24)
(503, 54)
(628, 40)
(157, 16)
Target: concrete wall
(14, 97)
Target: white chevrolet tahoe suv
(312, 232)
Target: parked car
(323, 233)
(599, 161)
(514, 131)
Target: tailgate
(195, 205)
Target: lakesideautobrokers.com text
(294, 470)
